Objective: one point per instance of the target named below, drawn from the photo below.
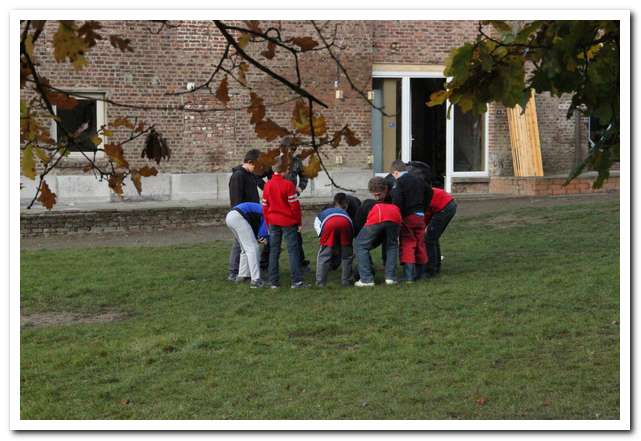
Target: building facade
(398, 62)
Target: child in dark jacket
(242, 188)
(283, 216)
(441, 210)
(247, 223)
(382, 223)
(408, 195)
(336, 232)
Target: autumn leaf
(222, 92)
(270, 52)
(140, 127)
(115, 183)
(122, 122)
(28, 45)
(242, 70)
(120, 43)
(68, 45)
(256, 108)
(28, 163)
(300, 120)
(88, 34)
(253, 25)
(305, 154)
(62, 100)
(96, 140)
(243, 40)
(351, 139)
(115, 153)
(481, 401)
(304, 43)
(437, 98)
(46, 198)
(267, 159)
(269, 130)
(136, 176)
(313, 167)
(42, 155)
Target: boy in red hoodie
(442, 209)
(283, 217)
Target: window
(386, 129)
(85, 119)
(469, 137)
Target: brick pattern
(537, 186)
(216, 141)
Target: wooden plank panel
(524, 140)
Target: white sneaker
(360, 284)
(391, 282)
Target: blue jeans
(368, 238)
(276, 234)
(435, 228)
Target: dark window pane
(469, 154)
(82, 116)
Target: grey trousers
(324, 260)
(250, 250)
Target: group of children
(406, 217)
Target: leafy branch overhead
(509, 60)
(249, 49)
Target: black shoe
(242, 279)
(232, 277)
(256, 284)
(299, 285)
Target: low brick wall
(543, 186)
(58, 223)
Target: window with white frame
(83, 122)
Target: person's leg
(264, 259)
(234, 253)
(347, 257)
(303, 262)
(291, 239)
(438, 223)
(322, 264)
(275, 237)
(421, 251)
(249, 266)
(407, 248)
(364, 241)
(391, 239)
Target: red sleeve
(294, 203)
(264, 202)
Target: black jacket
(409, 194)
(242, 187)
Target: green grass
(522, 324)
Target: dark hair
(340, 199)
(398, 165)
(280, 165)
(251, 156)
(377, 185)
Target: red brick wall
(216, 141)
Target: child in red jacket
(442, 209)
(383, 220)
(282, 212)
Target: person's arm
(302, 179)
(235, 189)
(397, 195)
(317, 226)
(263, 231)
(265, 203)
(292, 198)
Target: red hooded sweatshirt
(280, 202)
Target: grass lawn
(522, 324)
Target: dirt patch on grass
(43, 319)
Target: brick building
(400, 61)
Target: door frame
(406, 125)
